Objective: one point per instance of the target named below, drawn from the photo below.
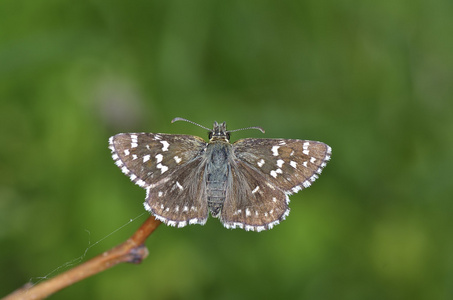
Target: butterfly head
(219, 132)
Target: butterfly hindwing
(180, 200)
(252, 203)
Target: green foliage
(371, 79)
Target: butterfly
(245, 184)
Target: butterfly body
(245, 184)
(218, 156)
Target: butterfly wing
(264, 172)
(252, 203)
(165, 165)
(180, 200)
(290, 165)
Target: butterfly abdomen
(217, 171)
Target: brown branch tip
(132, 250)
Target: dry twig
(132, 251)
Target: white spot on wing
(179, 185)
(256, 189)
(134, 140)
(235, 224)
(159, 158)
(177, 159)
(162, 219)
(260, 228)
(165, 145)
(312, 160)
(280, 163)
(274, 173)
(127, 152)
(275, 150)
(125, 170)
(162, 168)
(293, 164)
(270, 185)
(327, 157)
(306, 152)
(296, 189)
(247, 212)
(146, 158)
(140, 183)
(261, 163)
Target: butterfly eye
(228, 135)
(210, 134)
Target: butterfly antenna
(181, 119)
(254, 127)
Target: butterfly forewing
(289, 165)
(148, 158)
(165, 165)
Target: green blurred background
(373, 79)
